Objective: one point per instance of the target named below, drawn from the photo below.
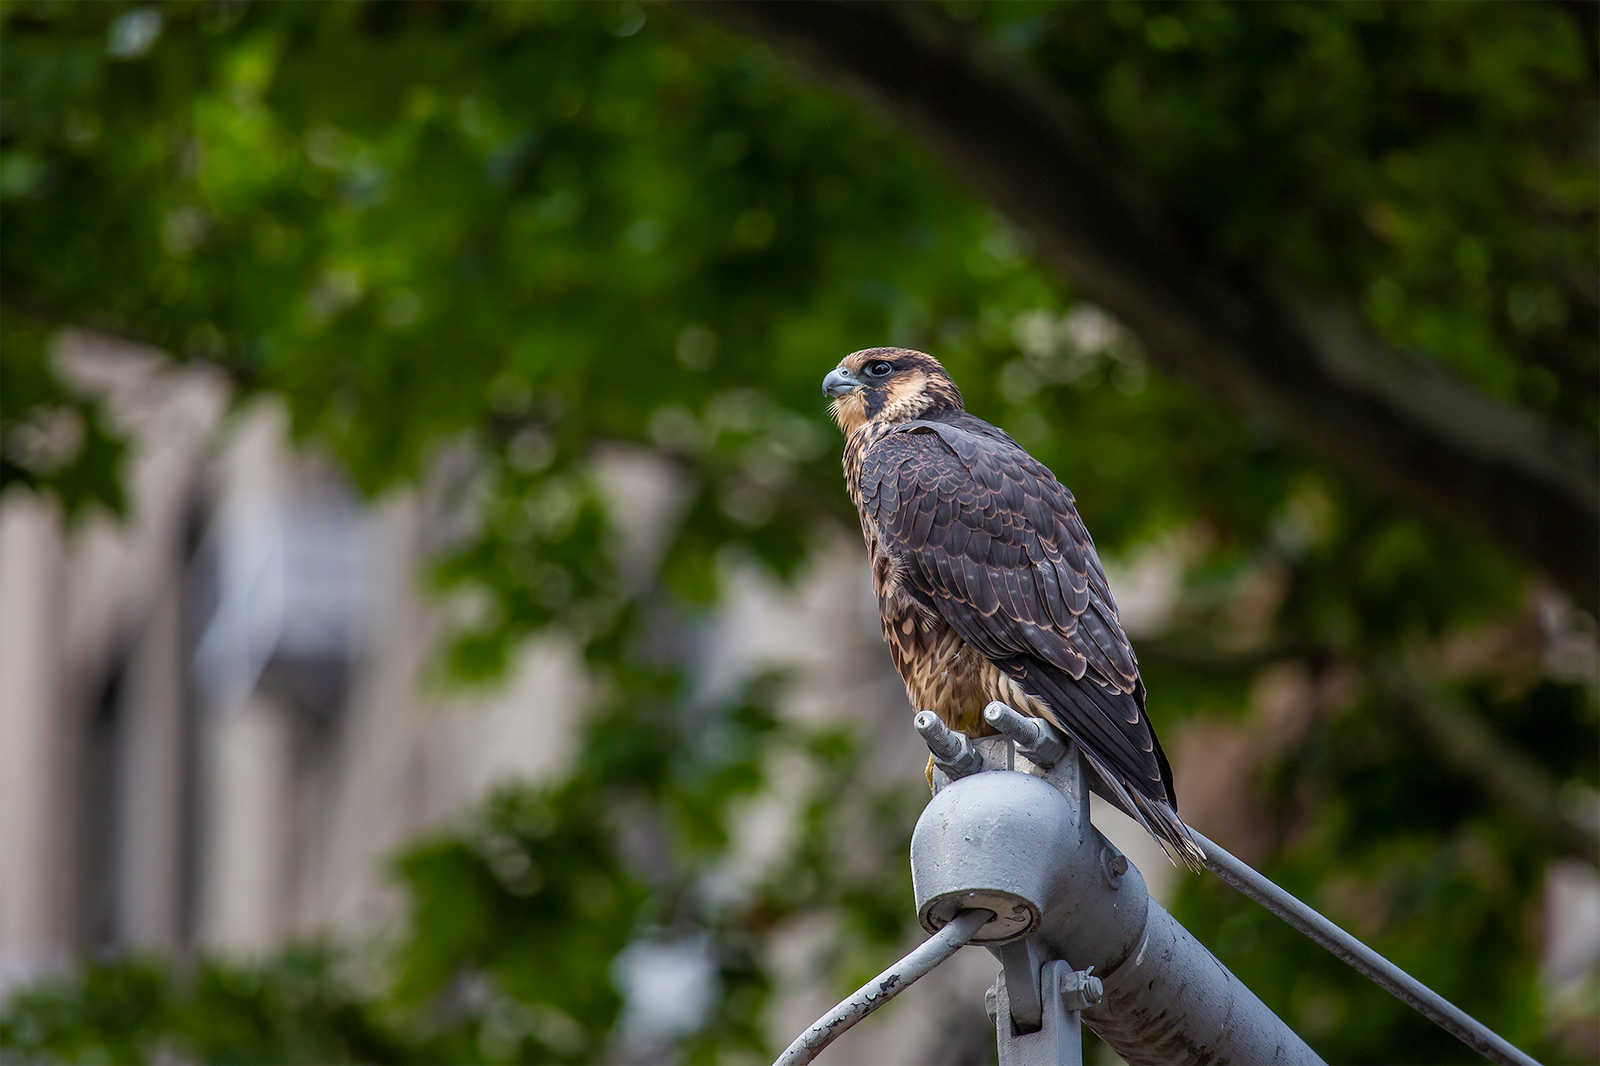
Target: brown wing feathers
(995, 544)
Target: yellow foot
(929, 774)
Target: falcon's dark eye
(879, 369)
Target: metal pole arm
(1428, 1003)
(884, 987)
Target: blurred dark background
(432, 626)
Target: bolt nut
(1113, 865)
(1081, 990)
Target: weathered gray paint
(1024, 838)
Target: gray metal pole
(1010, 860)
(1021, 845)
(1424, 1000)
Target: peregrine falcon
(988, 582)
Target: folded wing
(994, 541)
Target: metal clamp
(1021, 843)
(1058, 1041)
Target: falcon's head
(888, 385)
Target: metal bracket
(1021, 961)
(1063, 992)
(1021, 845)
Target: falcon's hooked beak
(839, 382)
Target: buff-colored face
(887, 385)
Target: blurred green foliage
(1434, 161)
(294, 1008)
(541, 228)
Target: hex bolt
(1080, 990)
(1113, 864)
(952, 751)
(1037, 743)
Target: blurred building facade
(216, 722)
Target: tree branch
(1504, 772)
(1413, 431)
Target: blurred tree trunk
(1305, 365)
